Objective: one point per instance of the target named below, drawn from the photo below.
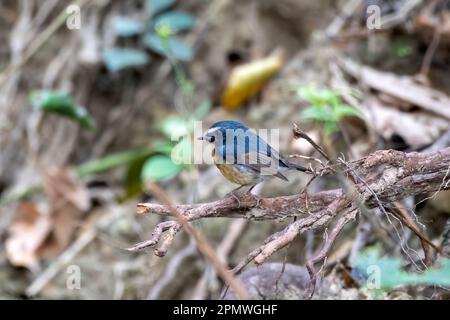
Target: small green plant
(157, 32)
(402, 47)
(326, 108)
(403, 51)
(160, 161)
(386, 273)
(164, 32)
(178, 156)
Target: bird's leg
(256, 197)
(234, 196)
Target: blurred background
(99, 96)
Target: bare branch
(383, 178)
(323, 253)
(391, 175)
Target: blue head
(232, 137)
(217, 133)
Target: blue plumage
(243, 157)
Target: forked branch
(383, 178)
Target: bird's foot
(257, 199)
(235, 197)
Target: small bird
(243, 157)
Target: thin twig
(201, 242)
(428, 58)
(298, 133)
(346, 218)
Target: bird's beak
(200, 138)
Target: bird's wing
(266, 149)
(262, 163)
(260, 157)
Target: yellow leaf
(247, 79)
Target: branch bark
(390, 174)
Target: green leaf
(181, 50)
(155, 6)
(324, 116)
(318, 97)
(52, 101)
(132, 180)
(61, 103)
(117, 59)
(404, 51)
(344, 110)
(173, 47)
(392, 275)
(330, 126)
(126, 27)
(159, 168)
(178, 21)
(402, 47)
(320, 114)
(163, 147)
(326, 108)
(113, 161)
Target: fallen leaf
(41, 231)
(403, 88)
(27, 233)
(246, 80)
(417, 128)
(61, 185)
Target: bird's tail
(298, 167)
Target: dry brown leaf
(403, 88)
(416, 128)
(246, 80)
(27, 233)
(60, 184)
(37, 233)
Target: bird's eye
(212, 139)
